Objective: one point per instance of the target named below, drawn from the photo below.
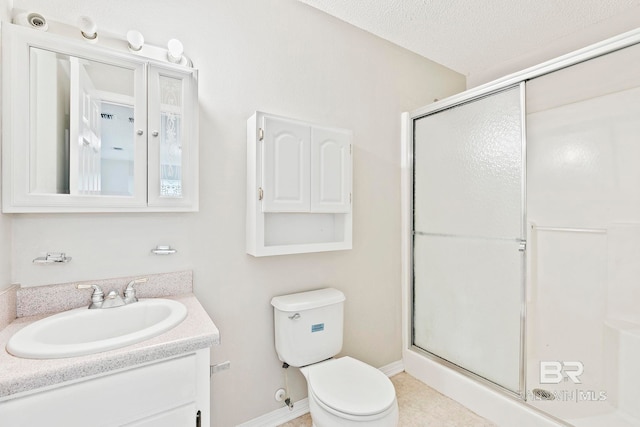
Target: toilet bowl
(342, 392)
(347, 392)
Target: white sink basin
(82, 331)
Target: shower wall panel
(583, 202)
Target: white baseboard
(301, 407)
(393, 368)
(280, 416)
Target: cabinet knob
(139, 132)
(155, 133)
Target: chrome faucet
(130, 291)
(97, 297)
(113, 298)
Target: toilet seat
(351, 387)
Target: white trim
(392, 368)
(406, 239)
(279, 416)
(301, 407)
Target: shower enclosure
(524, 217)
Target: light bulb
(88, 28)
(135, 40)
(175, 51)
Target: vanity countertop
(18, 375)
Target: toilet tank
(308, 326)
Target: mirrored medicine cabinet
(93, 129)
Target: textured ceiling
(473, 35)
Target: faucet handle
(97, 296)
(130, 291)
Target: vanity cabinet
(299, 189)
(168, 393)
(95, 128)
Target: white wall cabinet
(168, 393)
(299, 188)
(102, 130)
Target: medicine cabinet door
(172, 138)
(68, 127)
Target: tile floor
(421, 406)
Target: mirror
(81, 126)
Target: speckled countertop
(18, 375)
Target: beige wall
(5, 220)
(5, 10)
(283, 57)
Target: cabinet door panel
(182, 416)
(285, 166)
(133, 394)
(173, 143)
(330, 170)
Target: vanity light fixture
(135, 40)
(175, 51)
(88, 29)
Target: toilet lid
(352, 387)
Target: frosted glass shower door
(468, 253)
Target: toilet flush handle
(295, 316)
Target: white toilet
(344, 391)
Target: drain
(542, 394)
